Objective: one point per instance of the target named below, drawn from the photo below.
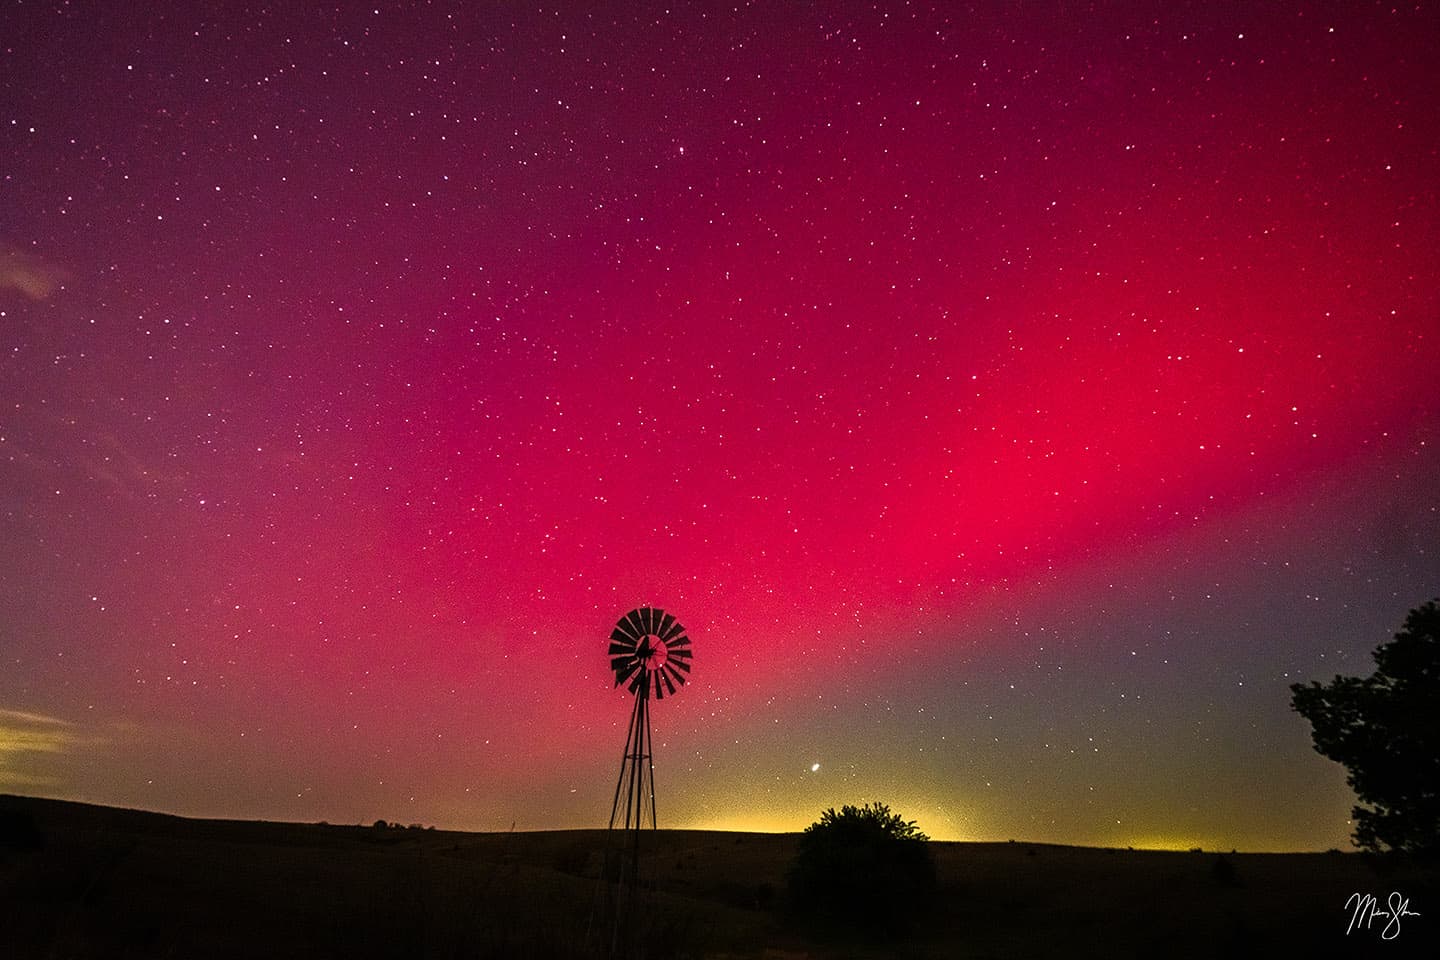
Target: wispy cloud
(40, 719)
(28, 274)
(23, 736)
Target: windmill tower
(650, 653)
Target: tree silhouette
(1385, 729)
(864, 868)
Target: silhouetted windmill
(650, 652)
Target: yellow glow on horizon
(937, 820)
(1181, 844)
(750, 823)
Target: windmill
(649, 653)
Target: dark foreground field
(82, 881)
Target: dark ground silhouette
(78, 881)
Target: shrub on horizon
(864, 869)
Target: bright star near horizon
(814, 768)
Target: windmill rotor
(650, 650)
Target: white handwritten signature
(1364, 908)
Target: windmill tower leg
(625, 766)
(637, 783)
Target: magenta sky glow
(1011, 405)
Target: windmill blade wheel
(650, 653)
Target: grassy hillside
(82, 881)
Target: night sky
(1011, 401)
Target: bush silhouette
(1385, 729)
(865, 869)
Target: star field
(1011, 404)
